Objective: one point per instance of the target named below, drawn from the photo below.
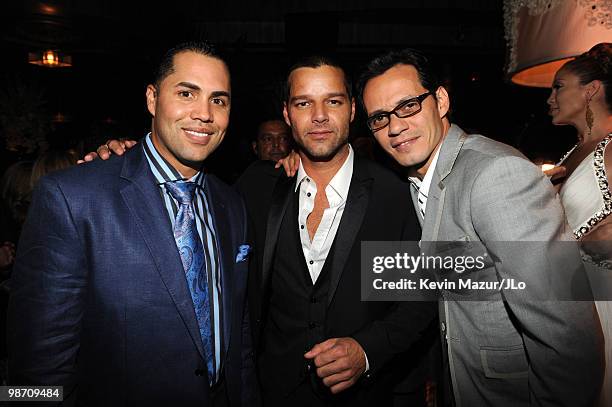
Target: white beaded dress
(587, 200)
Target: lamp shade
(543, 35)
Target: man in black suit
(318, 343)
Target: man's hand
(291, 163)
(339, 361)
(106, 150)
(555, 173)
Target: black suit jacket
(378, 207)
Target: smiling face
(190, 109)
(412, 140)
(319, 111)
(567, 100)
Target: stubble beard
(323, 153)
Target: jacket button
(312, 325)
(199, 372)
(313, 299)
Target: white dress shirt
(316, 251)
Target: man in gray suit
(511, 349)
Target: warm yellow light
(59, 117)
(50, 59)
(48, 9)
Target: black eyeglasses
(407, 108)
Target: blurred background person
(273, 140)
(582, 97)
(16, 187)
(52, 160)
(15, 192)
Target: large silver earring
(589, 117)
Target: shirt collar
(161, 168)
(423, 185)
(340, 183)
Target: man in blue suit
(129, 285)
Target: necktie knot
(183, 192)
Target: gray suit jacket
(511, 349)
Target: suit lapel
(141, 196)
(433, 213)
(216, 203)
(280, 198)
(352, 218)
(449, 151)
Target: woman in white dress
(582, 97)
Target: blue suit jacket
(100, 304)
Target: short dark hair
(595, 64)
(316, 61)
(407, 56)
(166, 64)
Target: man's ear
(352, 109)
(254, 146)
(443, 101)
(151, 99)
(286, 114)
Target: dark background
(114, 46)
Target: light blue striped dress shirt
(164, 172)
